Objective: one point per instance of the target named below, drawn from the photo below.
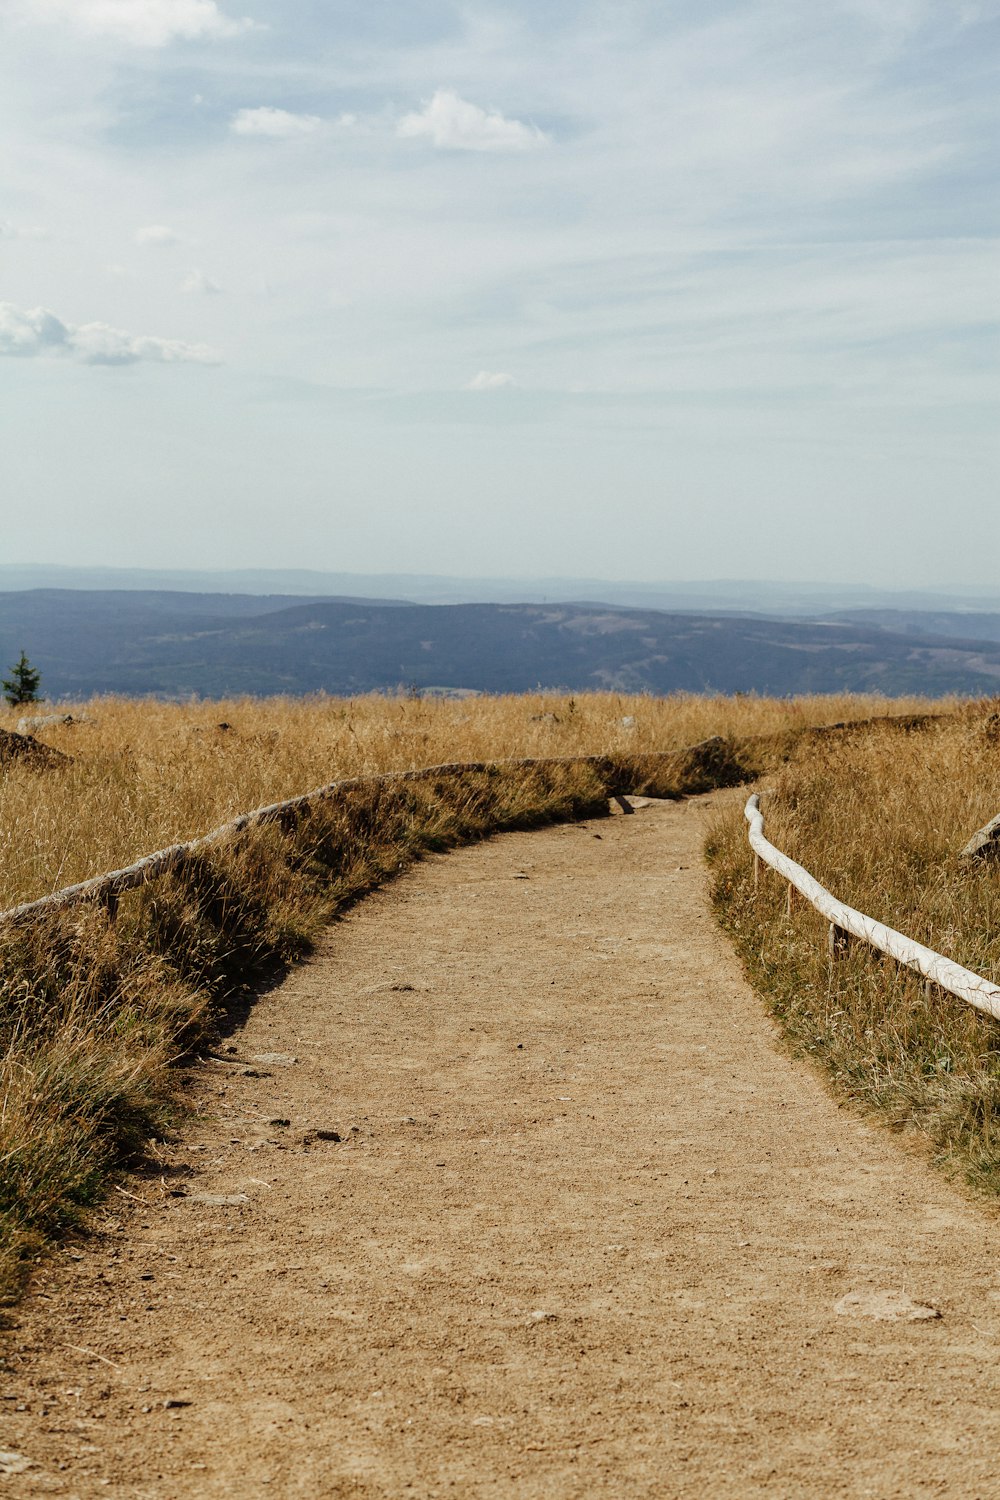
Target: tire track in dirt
(586, 1238)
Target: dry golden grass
(92, 1010)
(879, 818)
(150, 774)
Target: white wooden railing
(845, 921)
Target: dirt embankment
(584, 1231)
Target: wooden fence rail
(844, 921)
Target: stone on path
(14, 1463)
(885, 1307)
(218, 1200)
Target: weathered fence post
(838, 942)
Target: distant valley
(176, 644)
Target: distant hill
(213, 645)
(965, 624)
(800, 599)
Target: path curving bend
(587, 1232)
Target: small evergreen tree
(22, 684)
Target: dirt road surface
(585, 1233)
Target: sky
(637, 289)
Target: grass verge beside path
(144, 775)
(878, 815)
(93, 1011)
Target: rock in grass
(885, 1307)
(33, 723)
(984, 844)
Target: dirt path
(586, 1240)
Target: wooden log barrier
(845, 923)
(619, 775)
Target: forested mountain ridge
(174, 644)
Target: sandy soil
(585, 1234)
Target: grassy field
(879, 817)
(149, 774)
(94, 1011)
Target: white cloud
(34, 332)
(197, 282)
(278, 123)
(99, 344)
(29, 331)
(159, 235)
(455, 124)
(145, 23)
(491, 380)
